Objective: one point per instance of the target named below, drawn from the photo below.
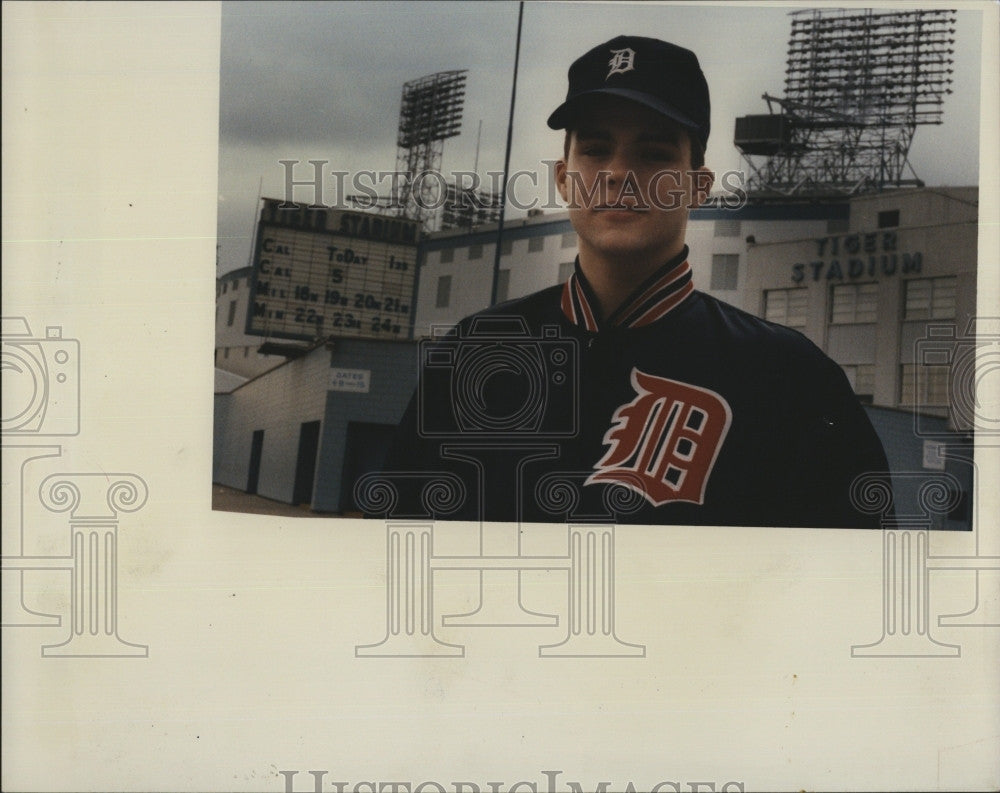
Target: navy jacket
(678, 409)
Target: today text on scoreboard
(321, 272)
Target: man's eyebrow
(670, 136)
(593, 133)
(661, 136)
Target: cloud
(318, 72)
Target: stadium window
(232, 312)
(447, 255)
(503, 285)
(569, 239)
(786, 307)
(506, 246)
(225, 352)
(888, 219)
(837, 226)
(923, 386)
(236, 284)
(475, 251)
(443, 292)
(862, 380)
(225, 286)
(536, 244)
(565, 271)
(725, 270)
(929, 298)
(864, 384)
(853, 304)
(727, 228)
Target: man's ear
(560, 174)
(701, 185)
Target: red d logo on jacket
(664, 443)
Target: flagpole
(506, 160)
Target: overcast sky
(323, 81)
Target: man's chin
(625, 242)
(633, 256)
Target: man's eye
(594, 151)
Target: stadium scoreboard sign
(322, 272)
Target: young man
(649, 401)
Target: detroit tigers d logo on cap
(621, 61)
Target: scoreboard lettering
(322, 272)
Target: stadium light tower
(857, 85)
(430, 112)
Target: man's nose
(618, 168)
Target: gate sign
(322, 272)
(356, 381)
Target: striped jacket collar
(653, 299)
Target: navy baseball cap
(654, 73)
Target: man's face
(628, 182)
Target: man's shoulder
(742, 342)
(742, 328)
(538, 307)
